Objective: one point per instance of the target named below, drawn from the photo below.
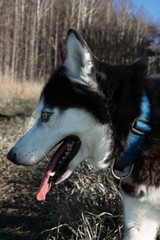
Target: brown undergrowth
(13, 88)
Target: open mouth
(57, 170)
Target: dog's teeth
(52, 174)
(69, 149)
(67, 153)
(69, 146)
(63, 158)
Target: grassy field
(9, 87)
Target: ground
(86, 206)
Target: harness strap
(140, 128)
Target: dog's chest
(151, 195)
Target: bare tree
(15, 40)
(30, 32)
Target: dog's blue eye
(46, 116)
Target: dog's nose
(12, 156)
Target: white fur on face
(96, 141)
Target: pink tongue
(45, 184)
(44, 187)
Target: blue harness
(140, 128)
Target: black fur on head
(112, 94)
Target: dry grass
(12, 88)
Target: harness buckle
(137, 131)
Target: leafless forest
(30, 31)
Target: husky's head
(86, 108)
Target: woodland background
(30, 31)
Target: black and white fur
(98, 102)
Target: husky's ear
(79, 60)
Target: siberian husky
(89, 109)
